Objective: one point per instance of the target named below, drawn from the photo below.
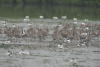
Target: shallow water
(53, 57)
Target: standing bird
(86, 20)
(55, 18)
(74, 62)
(24, 52)
(75, 19)
(41, 17)
(64, 17)
(13, 25)
(9, 53)
(5, 23)
(60, 46)
(27, 19)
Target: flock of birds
(73, 61)
(65, 32)
(81, 32)
(12, 52)
(61, 35)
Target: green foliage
(53, 2)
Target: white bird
(75, 19)
(86, 20)
(75, 22)
(24, 52)
(64, 17)
(69, 41)
(87, 28)
(9, 53)
(65, 40)
(83, 44)
(4, 23)
(78, 45)
(13, 25)
(7, 42)
(41, 17)
(83, 23)
(84, 34)
(55, 18)
(60, 46)
(23, 32)
(26, 19)
(59, 25)
(73, 61)
(29, 24)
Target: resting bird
(24, 52)
(9, 53)
(60, 46)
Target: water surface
(51, 57)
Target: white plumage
(55, 18)
(41, 17)
(60, 46)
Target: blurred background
(81, 9)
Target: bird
(60, 46)
(87, 28)
(26, 19)
(9, 53)
(78, 45)
(13, 25)
(7, 42)
(41, 17)
(83, 23)
(73, 61)
(69, 41)
(64, 17)
(86, 20)
(75, 22)
(75, 19)
(55, 18)
(24, 52)
(83, 44)
(65, 40)
(29, 24)
(84, 34)
(5, 23)
(59, 25)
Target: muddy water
(53, 57)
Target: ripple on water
(85, 57)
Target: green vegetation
(51, 2)
(48, 8)
(48, 12)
